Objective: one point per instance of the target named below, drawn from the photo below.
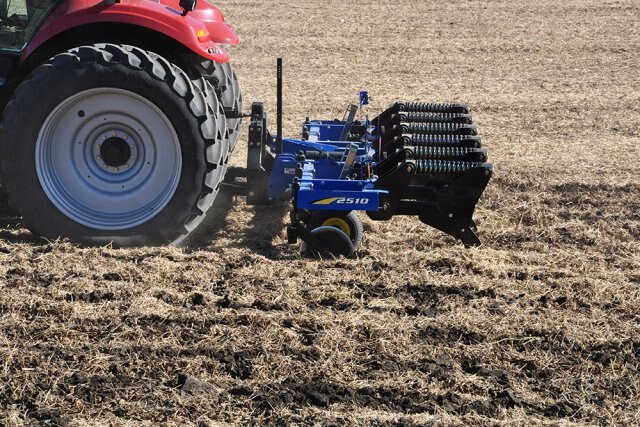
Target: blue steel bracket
(320, 162)
(321, 185)
(281, 177)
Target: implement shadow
(267, 222)
(213, 224)
(257, 234)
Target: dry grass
(540, 326)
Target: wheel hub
(338, 223)
(115, 152)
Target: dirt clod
(112, 276)
(191, 385)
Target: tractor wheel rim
(108, 158)
(338, 223)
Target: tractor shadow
(255, 234)
(226, 226)
(10, 222)
(213, 224)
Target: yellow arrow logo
(325, 201)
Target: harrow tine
(395, 139)
(422, 107)
(440, 128)
(436, 118)
(430, 140)
(463, 154)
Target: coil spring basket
(433, 164)
(413, 159)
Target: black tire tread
(336, 244)
(213, 73)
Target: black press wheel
(123, 148)
(347, 222)
(331, 243)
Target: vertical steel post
(279, 105)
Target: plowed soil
(539, 326)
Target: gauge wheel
(347, 222)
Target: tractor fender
(162, 18)
(212, 18)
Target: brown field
(539, 326)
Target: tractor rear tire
(222, 123)
(224, 80)
(111, 144)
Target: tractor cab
(19, 20)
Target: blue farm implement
(418, 159)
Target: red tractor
(118, 116)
